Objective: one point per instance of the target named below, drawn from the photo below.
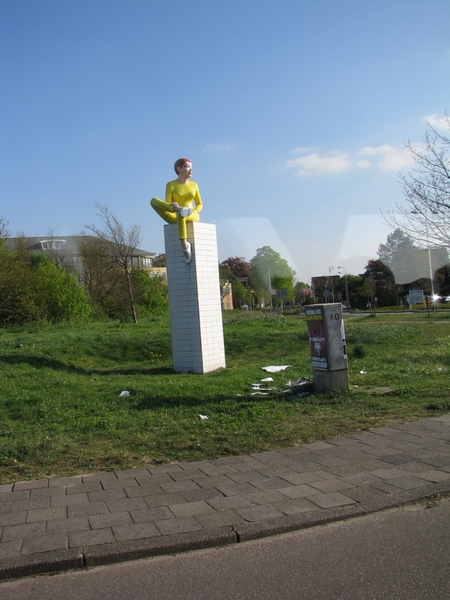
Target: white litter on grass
(363, 372)
(257, 387)
(275, 369)
(203, 417)
(260, 394)
(267, 379)
(124, 393)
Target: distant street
(401, 554)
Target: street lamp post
(347, 297)
(430, 264)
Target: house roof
(68, 243)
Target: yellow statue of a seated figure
(183, 203)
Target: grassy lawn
(61, 411)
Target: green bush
(58, 294)
(34, 289)
(151, 293)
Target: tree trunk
(130, 293)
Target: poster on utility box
(317, 341)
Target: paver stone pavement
(60, 523)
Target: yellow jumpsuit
(185, 194)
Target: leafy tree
(303, 293)
(33, 288)
(426, 215)
(241, 294)
(408, 262)
(369, 289)
(160, 260)
(397, 245)
(151, 293)
(119, 246)
(267, 268)
(225, 279)
(235, 270)
(379, 281)
(237, 266)
(58, 294)
(17, 301)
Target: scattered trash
(260, 394)
(363, 372)
(355, 386)
(274, 369)
(304, 386)
(257, 386)
(299, 382)
(267, 379)
(203, 417)
(124, 393)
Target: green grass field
(61, 411)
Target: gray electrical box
(327, 345)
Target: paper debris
(258, 387)
(124, 393)
(363, 372)
(260, 394)
(203, 417)
(275, 369)
(267, 379)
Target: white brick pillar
(194, 300)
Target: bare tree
(119, 244)
(426, 216)
(4, 233)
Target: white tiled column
(194, 300)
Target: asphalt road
(400, 554)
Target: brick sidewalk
(61, 523)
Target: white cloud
(219, 147)
(381, 158)
(437, 121)
(387, 158)
(303, 149)
(316, 164)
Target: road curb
(46, 563)
(170, 544)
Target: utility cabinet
(327, 346)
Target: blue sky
(294, 114)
